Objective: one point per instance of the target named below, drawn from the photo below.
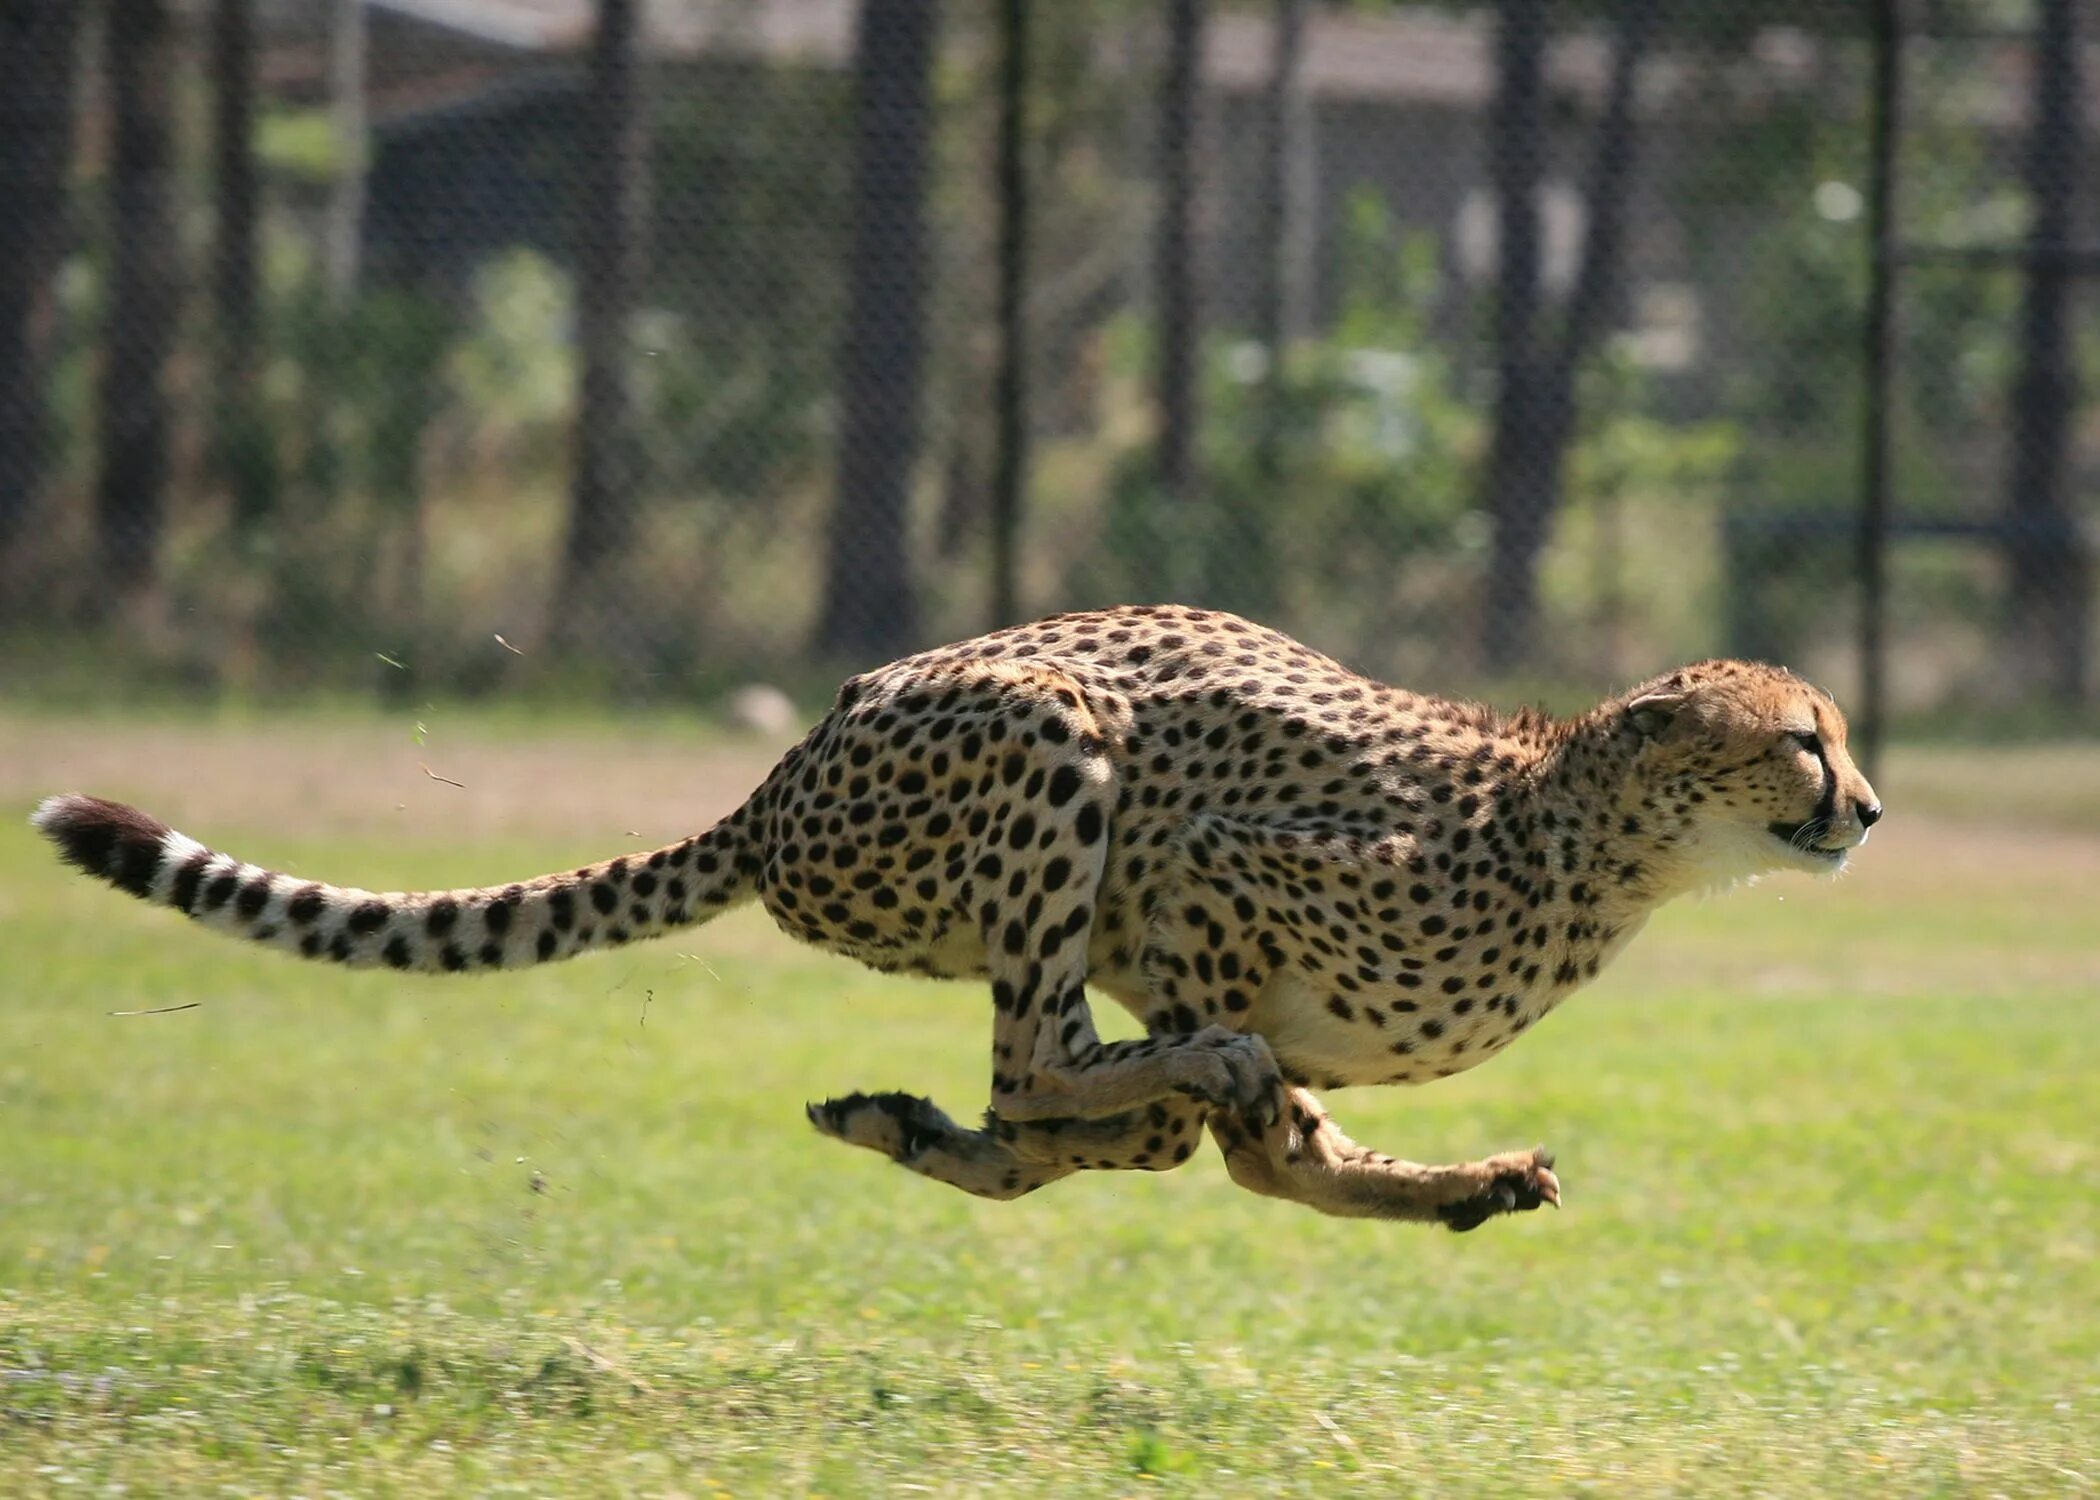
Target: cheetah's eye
(1811, 742)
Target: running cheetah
(1296, 878)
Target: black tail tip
(118, 843)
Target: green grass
(1830, 1153)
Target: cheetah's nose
(1868, 813)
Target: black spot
(442, 914)
(307, 905)
(452, 958)
(254, 896)
(603, 896)
(492, 954)
(183, 895)
(135, 866)
(369, 916)
(545, 946)
(396, 952)
(561, 906)
(1064, 786)
(497, 917)
(1088, 824)
(644, 883)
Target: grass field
(1831, 1153)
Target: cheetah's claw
(1521, 1183)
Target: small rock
(762, 709)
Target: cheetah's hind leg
(916, 1133)
(1008, 1158)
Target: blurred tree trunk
(609, 252)
(39, 42)
(1535, 396)
(1010, 467)
(1284, 211)
(870, 608)
(145, 297)
(2049, 574)
(1520, 483)
(343, 234)
(1174, 272)
(241, 455)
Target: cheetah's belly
(1391, 1036)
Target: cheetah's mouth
(1802, 838)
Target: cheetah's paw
(1517, 1182)
(1233, 1070)
(900, 1126)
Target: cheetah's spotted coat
(1295, 877)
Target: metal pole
(1877, 360)
(1010, 469)
(2048, 577)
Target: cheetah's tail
(494, 927)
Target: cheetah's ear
(1650, 714)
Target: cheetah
(1296, 878)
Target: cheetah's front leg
(1304, 1157)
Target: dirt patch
(362, 778)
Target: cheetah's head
(1749, 762)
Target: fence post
(1878, 330)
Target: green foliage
(1796, 391)
(1346, 491)
(297, 144)
(513, 371)
(747, 275)
(1357, 451)
(1631, 542)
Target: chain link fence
(646, 347)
